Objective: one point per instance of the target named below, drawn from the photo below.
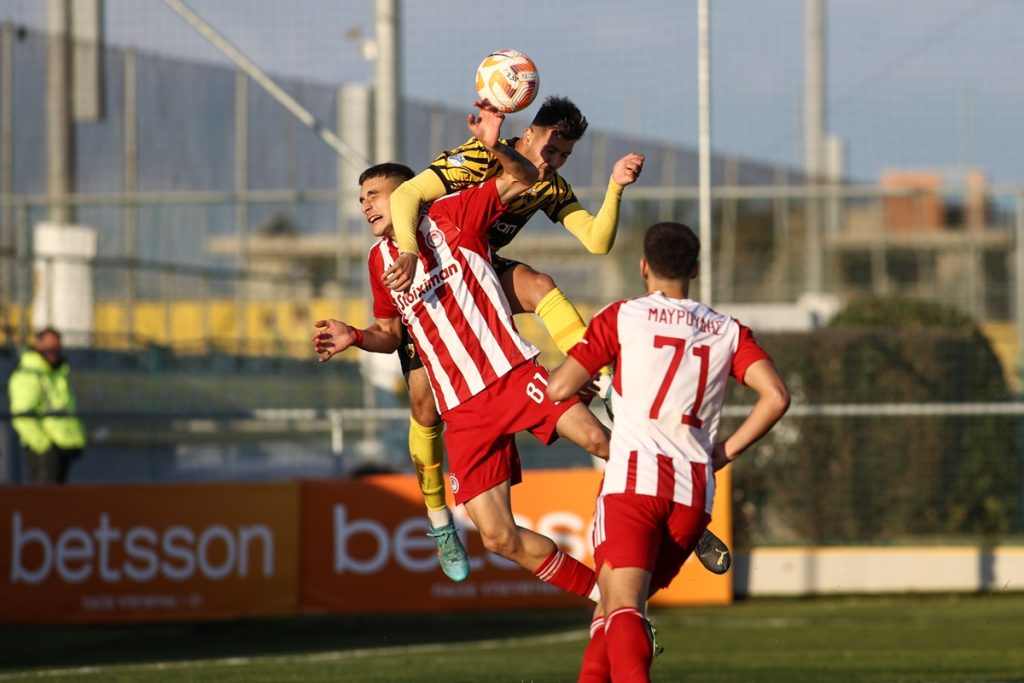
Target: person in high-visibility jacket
(43, 410)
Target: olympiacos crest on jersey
(435, 237)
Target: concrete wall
(796, 571)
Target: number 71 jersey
(673, 358)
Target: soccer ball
(508, 79)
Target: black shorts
(501, 264)
(407, 353)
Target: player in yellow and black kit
(547, 142)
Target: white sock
(439, 518)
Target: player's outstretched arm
(334, 336)
(772, 403)
(518, 173)
(406, 201)
(597, 233)
(577, 423)
(405, 212)
(627, 169)
(567, 379)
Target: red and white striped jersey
(455, 309)
(672, 359)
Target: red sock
(629, 646)
(595, 667)
(566, 572)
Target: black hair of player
(388, 169)
(672, 250)
(563, 115)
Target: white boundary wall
(792, 571)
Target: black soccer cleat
(652, 635)
(713, 553)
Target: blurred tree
(887, 478)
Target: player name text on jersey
(673, 316)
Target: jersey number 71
(678, 351)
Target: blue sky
(911, 83)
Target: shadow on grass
(35, 646)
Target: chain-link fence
(223, 227)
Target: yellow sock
(563, 321)
(427, 454)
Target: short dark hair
(388, 169)
(561, 114)
(49, 329)
(672, 250)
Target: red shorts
(656, 534)
(480, 433)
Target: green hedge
(883, 479)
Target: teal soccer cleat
(450, 552)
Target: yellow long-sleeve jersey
(472, 163)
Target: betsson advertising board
(208, 551)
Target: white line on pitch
(336, 655)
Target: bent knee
(425, 415)
(504, 542)
(422, 407)
(541, 284)
(533, 288)
(597, 438)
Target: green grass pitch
(899, 638)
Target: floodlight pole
(814, 137)
(387, 80)
(1018, 281)
(704, 148)
(59, 130)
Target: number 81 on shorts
(535, 389)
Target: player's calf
(580, 426)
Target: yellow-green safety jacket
(40, 394)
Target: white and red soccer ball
(508, 79)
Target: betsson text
(177, 552)
(411, 549)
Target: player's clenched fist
(627, 169)
(399, 276)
